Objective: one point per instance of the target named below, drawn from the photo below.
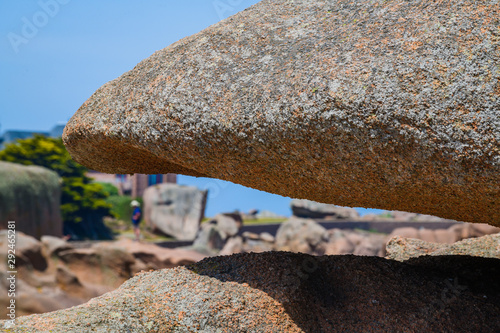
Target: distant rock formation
(402, 216)
(52, 274)
(314, 210)
(358, 242)
(288, 292)
(399, 248)
(390, 105)
(214, 234)
(451, 235)
(301, 235)
(174, 210)
(30, 196)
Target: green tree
(81, 199)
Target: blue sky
(55, 53)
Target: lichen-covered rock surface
(286, 292)
(384, 104)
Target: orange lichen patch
(413, 45)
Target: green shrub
(81, 199)
(120, 206)
(110, 188)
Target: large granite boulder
(383, 104)
(287, 292)
(315, 210)
(30, 196)
(174, 210)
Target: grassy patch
(268, 220)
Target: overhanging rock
(383, 104)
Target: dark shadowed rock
(233, 245)
(383, 104)
(174, 210)
(229, 223)
(286, 292)
(30, 196)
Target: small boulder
(267, 237)
(229, 223)
(233, 245)
(250, 235)
(54, 245)
(301, 235)
(339, 246)
(355, 242)
(372, 245)
(28, 251)
(444, 236)
(426, 235)
(266, 214)
(210, 239)
(174, 210)
(405, 232)
(257, 246)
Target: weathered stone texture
(287, 292)
(384, 104)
